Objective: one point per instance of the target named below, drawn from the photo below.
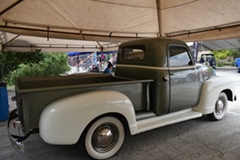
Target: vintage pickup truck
(156, 83)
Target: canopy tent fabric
(101, 25)
(13, 42)
(121, 20)
(221, 44)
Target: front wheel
(220, 108)
(104, 138)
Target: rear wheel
(220, 108)
(104, 138)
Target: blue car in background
(237, 64)
(209, 57)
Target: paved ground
(198, 139)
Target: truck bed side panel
(46, 95)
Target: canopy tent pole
(10, 7)
(196, 50)
(101, 47)
(158, 4)
(4, 44)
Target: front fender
(63, 121)
(211, 90)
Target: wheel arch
(229, 94)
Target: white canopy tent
(29, 43)
(109, 22)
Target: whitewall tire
(104, 138)
(220, 108)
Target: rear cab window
(134, 53)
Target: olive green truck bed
(36, 93)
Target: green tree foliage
(52, 64)
(10, 61)
(223, 54)
(235, 53)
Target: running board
(156, 122)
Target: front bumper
(16, 140)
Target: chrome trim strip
(155, 68)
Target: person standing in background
(108, 70)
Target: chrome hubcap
(105, 137)
(219, 107)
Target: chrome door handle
(165, 78)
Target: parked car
(237, 64)
(209, 58)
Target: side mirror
(190, 63)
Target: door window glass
(179, 56)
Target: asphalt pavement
(198, 139)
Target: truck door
(184, 80)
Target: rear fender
(64, 120)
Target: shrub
(219, 62)
(52, 64)
(10, 61)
